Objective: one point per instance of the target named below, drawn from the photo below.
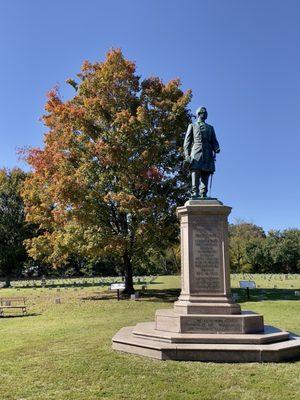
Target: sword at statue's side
(211, 176)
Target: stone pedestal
(205, 276)
(205, 324)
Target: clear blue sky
(241, 58)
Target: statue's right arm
(188, 141)
(215, 143)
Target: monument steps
(125, 340)
(146, 330)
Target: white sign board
(247, 284)
(117, 286)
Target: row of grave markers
(43, 283)
(266, 276)
(137, 280)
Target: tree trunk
(129, 289)
(7, 280)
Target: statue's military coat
(199, 146)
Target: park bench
(12, 303)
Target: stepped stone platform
(268, 347)
(205, 324)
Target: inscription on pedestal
(212, 325)
(207, 255)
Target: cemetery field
(62, 349)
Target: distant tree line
(253, 250)
(13, 227)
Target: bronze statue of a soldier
(200, 147)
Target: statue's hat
(200, 109)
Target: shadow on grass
(168, 296)
(265, 294)
(256, 295)
(101, 296)
(171, 295)
(20, 315)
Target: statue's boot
(204, 184)
(195, 184)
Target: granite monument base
(205, 324)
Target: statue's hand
(188, 159)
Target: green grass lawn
(63, 351)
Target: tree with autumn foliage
(109, 177)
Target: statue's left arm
(215, 143)
(188, 141)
